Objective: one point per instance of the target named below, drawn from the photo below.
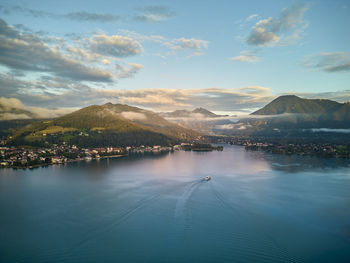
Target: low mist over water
(257, 207)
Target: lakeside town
(29, 157)
(307, 148)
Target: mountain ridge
(294, 104)
(202, 112)
(116, 120)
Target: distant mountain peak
(204, 112)
(295, 104)
(187, 113)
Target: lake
(258, 207)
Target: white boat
(207, 178)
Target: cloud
(134, 116)
(246, 56)
(187, 44)
(211, 98)
(58, 92)
(28, 52)
(128, 72)
(28, 11)
(12, 108)
(149, 98)
(233, 126)
(81, 16)
(154, 14)
(8, 104)
(274, 31)
(116, 45)
(85, 59)
(95, 17)
(47, 91)
(329, 61)
(192, 45)
(252, 17)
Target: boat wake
(182, 203)
(264, 244)
(65, 254)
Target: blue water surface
(258, 207)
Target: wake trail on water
(65, 254)
(282, 253)
(182, 202)
(182, 219)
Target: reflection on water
(258, 207)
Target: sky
(226, 56)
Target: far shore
(68, 161)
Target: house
(56, 160)
(4, 163)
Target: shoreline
(69, 161)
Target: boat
(207, 178)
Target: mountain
(108, 124)
(205, 113)
(8, 127)
(317, 110)
(292, 116)
(295, 104)
(199, 119)
(198, 112)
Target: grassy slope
(111, 120)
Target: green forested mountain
(109, 124)
(295, 104)
(204, 113)
(318, 111)
(292, 116)
(199, 119)
(8, 127)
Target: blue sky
(228, 56)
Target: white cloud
(279, 31)
(242, 101)
(134, 116)
(190, 45)
(329, 61)
(80, 95)
(211, 98)
(252, 17)
(154, 14)
(75, 16)
(85, 59)
(129, 71)
(12, 108)
(116, 45)
(28, 52)
(246, 56)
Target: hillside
(198, 112)
(199, 119)
(291, 116)
(295, 104)
(316, 110)
(109, 124)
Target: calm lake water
(258, 207)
